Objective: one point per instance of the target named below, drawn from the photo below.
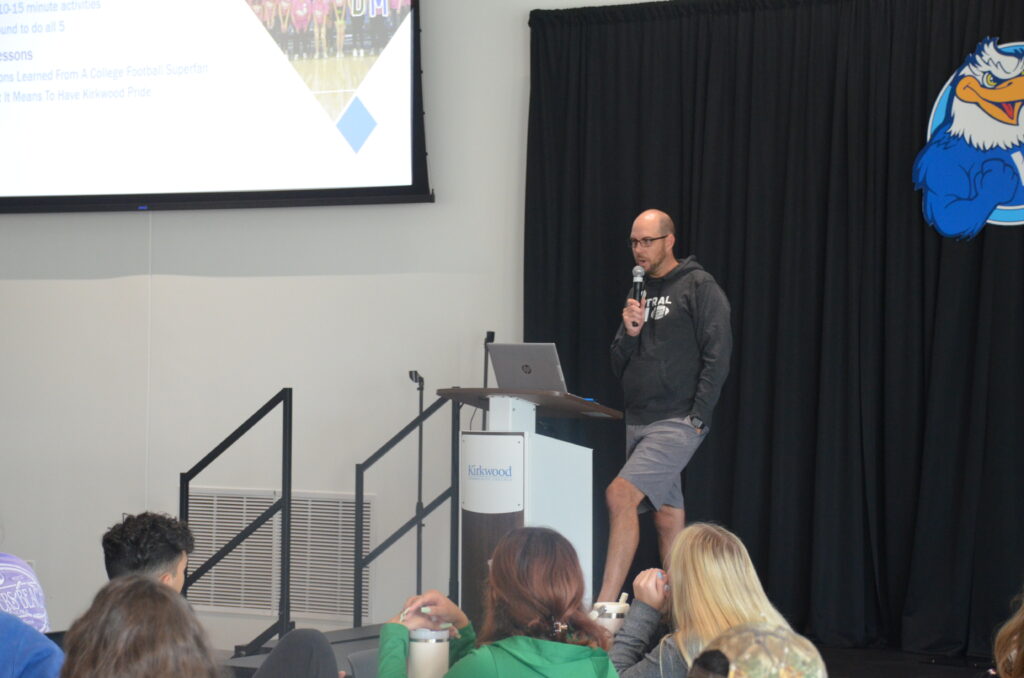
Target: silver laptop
(525, 367)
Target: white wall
(133, 343)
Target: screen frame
(418, 191)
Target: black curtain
(869, 443)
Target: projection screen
(136, 104)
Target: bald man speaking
(671, 354)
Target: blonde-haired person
(713, 587)
(1008, 652)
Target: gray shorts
(658, 453)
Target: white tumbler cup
(610, 615)
(428, 653)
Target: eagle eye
(988, 80)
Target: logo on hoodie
(657, 308)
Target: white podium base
(512, 476)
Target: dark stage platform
(872, 663)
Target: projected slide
(105, 97)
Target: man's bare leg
(623, 498)
(668, 521)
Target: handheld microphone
(638, 282)
(638, 286)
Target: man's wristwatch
(696, 422)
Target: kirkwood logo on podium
(480, 472)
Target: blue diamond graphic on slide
(356, 125)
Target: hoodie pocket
(644, 383)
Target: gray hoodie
(677, 364)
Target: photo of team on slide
(321, 29)
(332, 44)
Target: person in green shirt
(534, 624)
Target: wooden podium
(511, 476)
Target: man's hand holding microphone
(633, 313)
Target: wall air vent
(248, 580)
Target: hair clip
(558, 628)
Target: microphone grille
(638, 272)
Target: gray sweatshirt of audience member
(634, 637)
(678, 363)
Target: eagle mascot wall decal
(971, 171)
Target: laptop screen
(525, 367)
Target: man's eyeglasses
(644, 242)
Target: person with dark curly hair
(157, 546)
(153, 544)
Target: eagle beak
(1002, 102)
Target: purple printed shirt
(21, 594)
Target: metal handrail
(283, 506)
(361, 561)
